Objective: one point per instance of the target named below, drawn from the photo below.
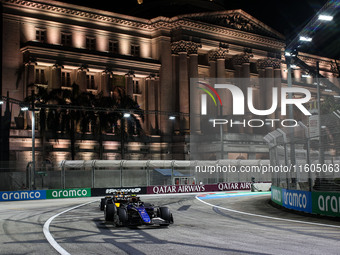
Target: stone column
(297, 74)
(241, 64)
(81, 79)
(29, 74)
(212, 67)
(183, 90)
(181, 48)
(277, 84)
(164, 85)
(29, 79)
(226, 97)
(267, 66)
(151, 102)
(175, 88)
(129, 83)
(195, 126)
(213, 111)
(55, 77)
(104, 83)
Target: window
(40, 76)
(136, 87)
(135, 50)
(113, 47)
(90, 43)
(66, 39)
(65, 79)
(90, 81)
(40, 35)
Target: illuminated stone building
(55, 44)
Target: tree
(102, 114)
(41, 96)
(69, 115)
(110, 113)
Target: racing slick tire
(103, 202)
(122, 217)
(166, 215)
(110, 212)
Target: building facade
(54, 44)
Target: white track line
(267, 217)
(47, 233)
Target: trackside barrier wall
(67, 193)
(93, 192)
(22, 195)
(198, 188)
(322, 203)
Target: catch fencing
(311, 152)
(71, 174)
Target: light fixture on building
(324, 17)
(126, 115)
(293, 66)
(305, 39)
(171, 117)
(24, 108)
(1, 102)
(291, 53)
(305, 76)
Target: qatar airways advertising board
(168, 189)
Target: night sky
(286, 16)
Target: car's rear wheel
(102, 204)
(166, 215)
(110, 211)
(122, 216)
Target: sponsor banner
(107, 191)
(22, 195)
(276, 195)
(67, 193)
(297, 200)
(198, 188)
(326, 203)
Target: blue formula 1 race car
(128, 210)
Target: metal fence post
(284, 136)
(148, 173)
(310, 183)
(121, 173)
(93, 173)
(172, 171)
(276, 157)
(62, 180)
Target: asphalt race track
(199, 228)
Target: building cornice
(102, 60)
(72, 11)
(228, 33)
(178, 22)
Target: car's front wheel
(103, 202)
(166, 215)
